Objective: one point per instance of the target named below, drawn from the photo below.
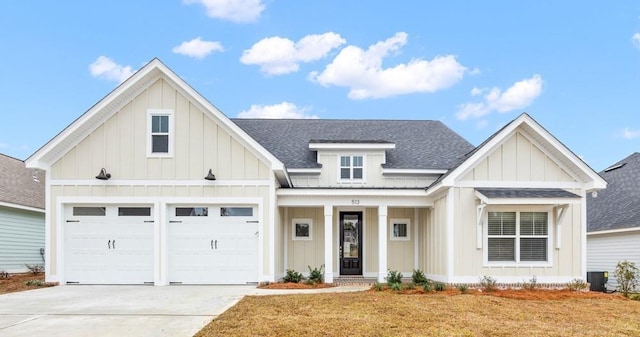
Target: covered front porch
(353, 235)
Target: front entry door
(351, 243)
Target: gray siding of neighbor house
(21, 237)
(604, 251)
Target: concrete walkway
(124, 311)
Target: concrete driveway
(119, 311)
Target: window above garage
(160, 133)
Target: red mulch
(519, 294)
(291, 285)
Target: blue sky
(574, 66)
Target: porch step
(354, 280)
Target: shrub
(427, 286)
(393, 277)
(35, 269)
(577, 285)
(395, 286)
(292, 276)
(34, 283)
(488, 284)
(463, 288)
(410, 286)
(418, 277)
(635, 297)
(4, 275)
(378, 286)
(316, 275)
(532, 284)
(439, 286)
(627, 275)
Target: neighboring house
(155, 185)
(22, 215)
(613, 219)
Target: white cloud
(362, 72)
(239, 11)
(520, 95)
(281, 110)
(197, 48)
(475, 71)
(277, 55)
(636, 40)
(104, 68)
(630, 134)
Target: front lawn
(372, 313)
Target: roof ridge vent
(614, 167)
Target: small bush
(34, 283)
(316, 275)
(4, 275)
(627, 275)
(395, 286)
(532, 284)
(410, 286)
(439, 286)
(577, 285)
(488, 284)
(292, 276)
(35, 269)
(427, 286)
(635, 297)
(378, 286)
(418, 277)
(393, 277)
(463, 288)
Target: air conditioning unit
(598, 280)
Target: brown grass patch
(372, 313)
(291, 285)
(16, 282)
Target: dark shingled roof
(526, 193)
(617, 206)
(419, 144)
(17, 185)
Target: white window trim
(351, 180)
(295, 221)
(160, 112)
(394, 221)
(518, 209)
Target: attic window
(160, 126)
(614, 167)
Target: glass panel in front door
(351, 246)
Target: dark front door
(351, 243)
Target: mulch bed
(290, 285)
(16, 282)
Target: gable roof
(419, 144)
(116, 99)
(550, 143)
(617, 206)
(18, 186)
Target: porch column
(328, 243)
(382, 243)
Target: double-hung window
(520, 237)
(351, 168)
(160, 143)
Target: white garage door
(213, 244)
(109, 244)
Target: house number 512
(355, 202)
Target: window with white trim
(400, 229)
(519, 237)
(352, 168)
(302, 229)
(160, 142)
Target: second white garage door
(211, 244)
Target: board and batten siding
(370, 238)
(304, 253)
(517, 159)
(604, 251)
(201, 142)
(435, 233)
(401, 254)
(21, 238)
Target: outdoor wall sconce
(103, 175)
(210, 176)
